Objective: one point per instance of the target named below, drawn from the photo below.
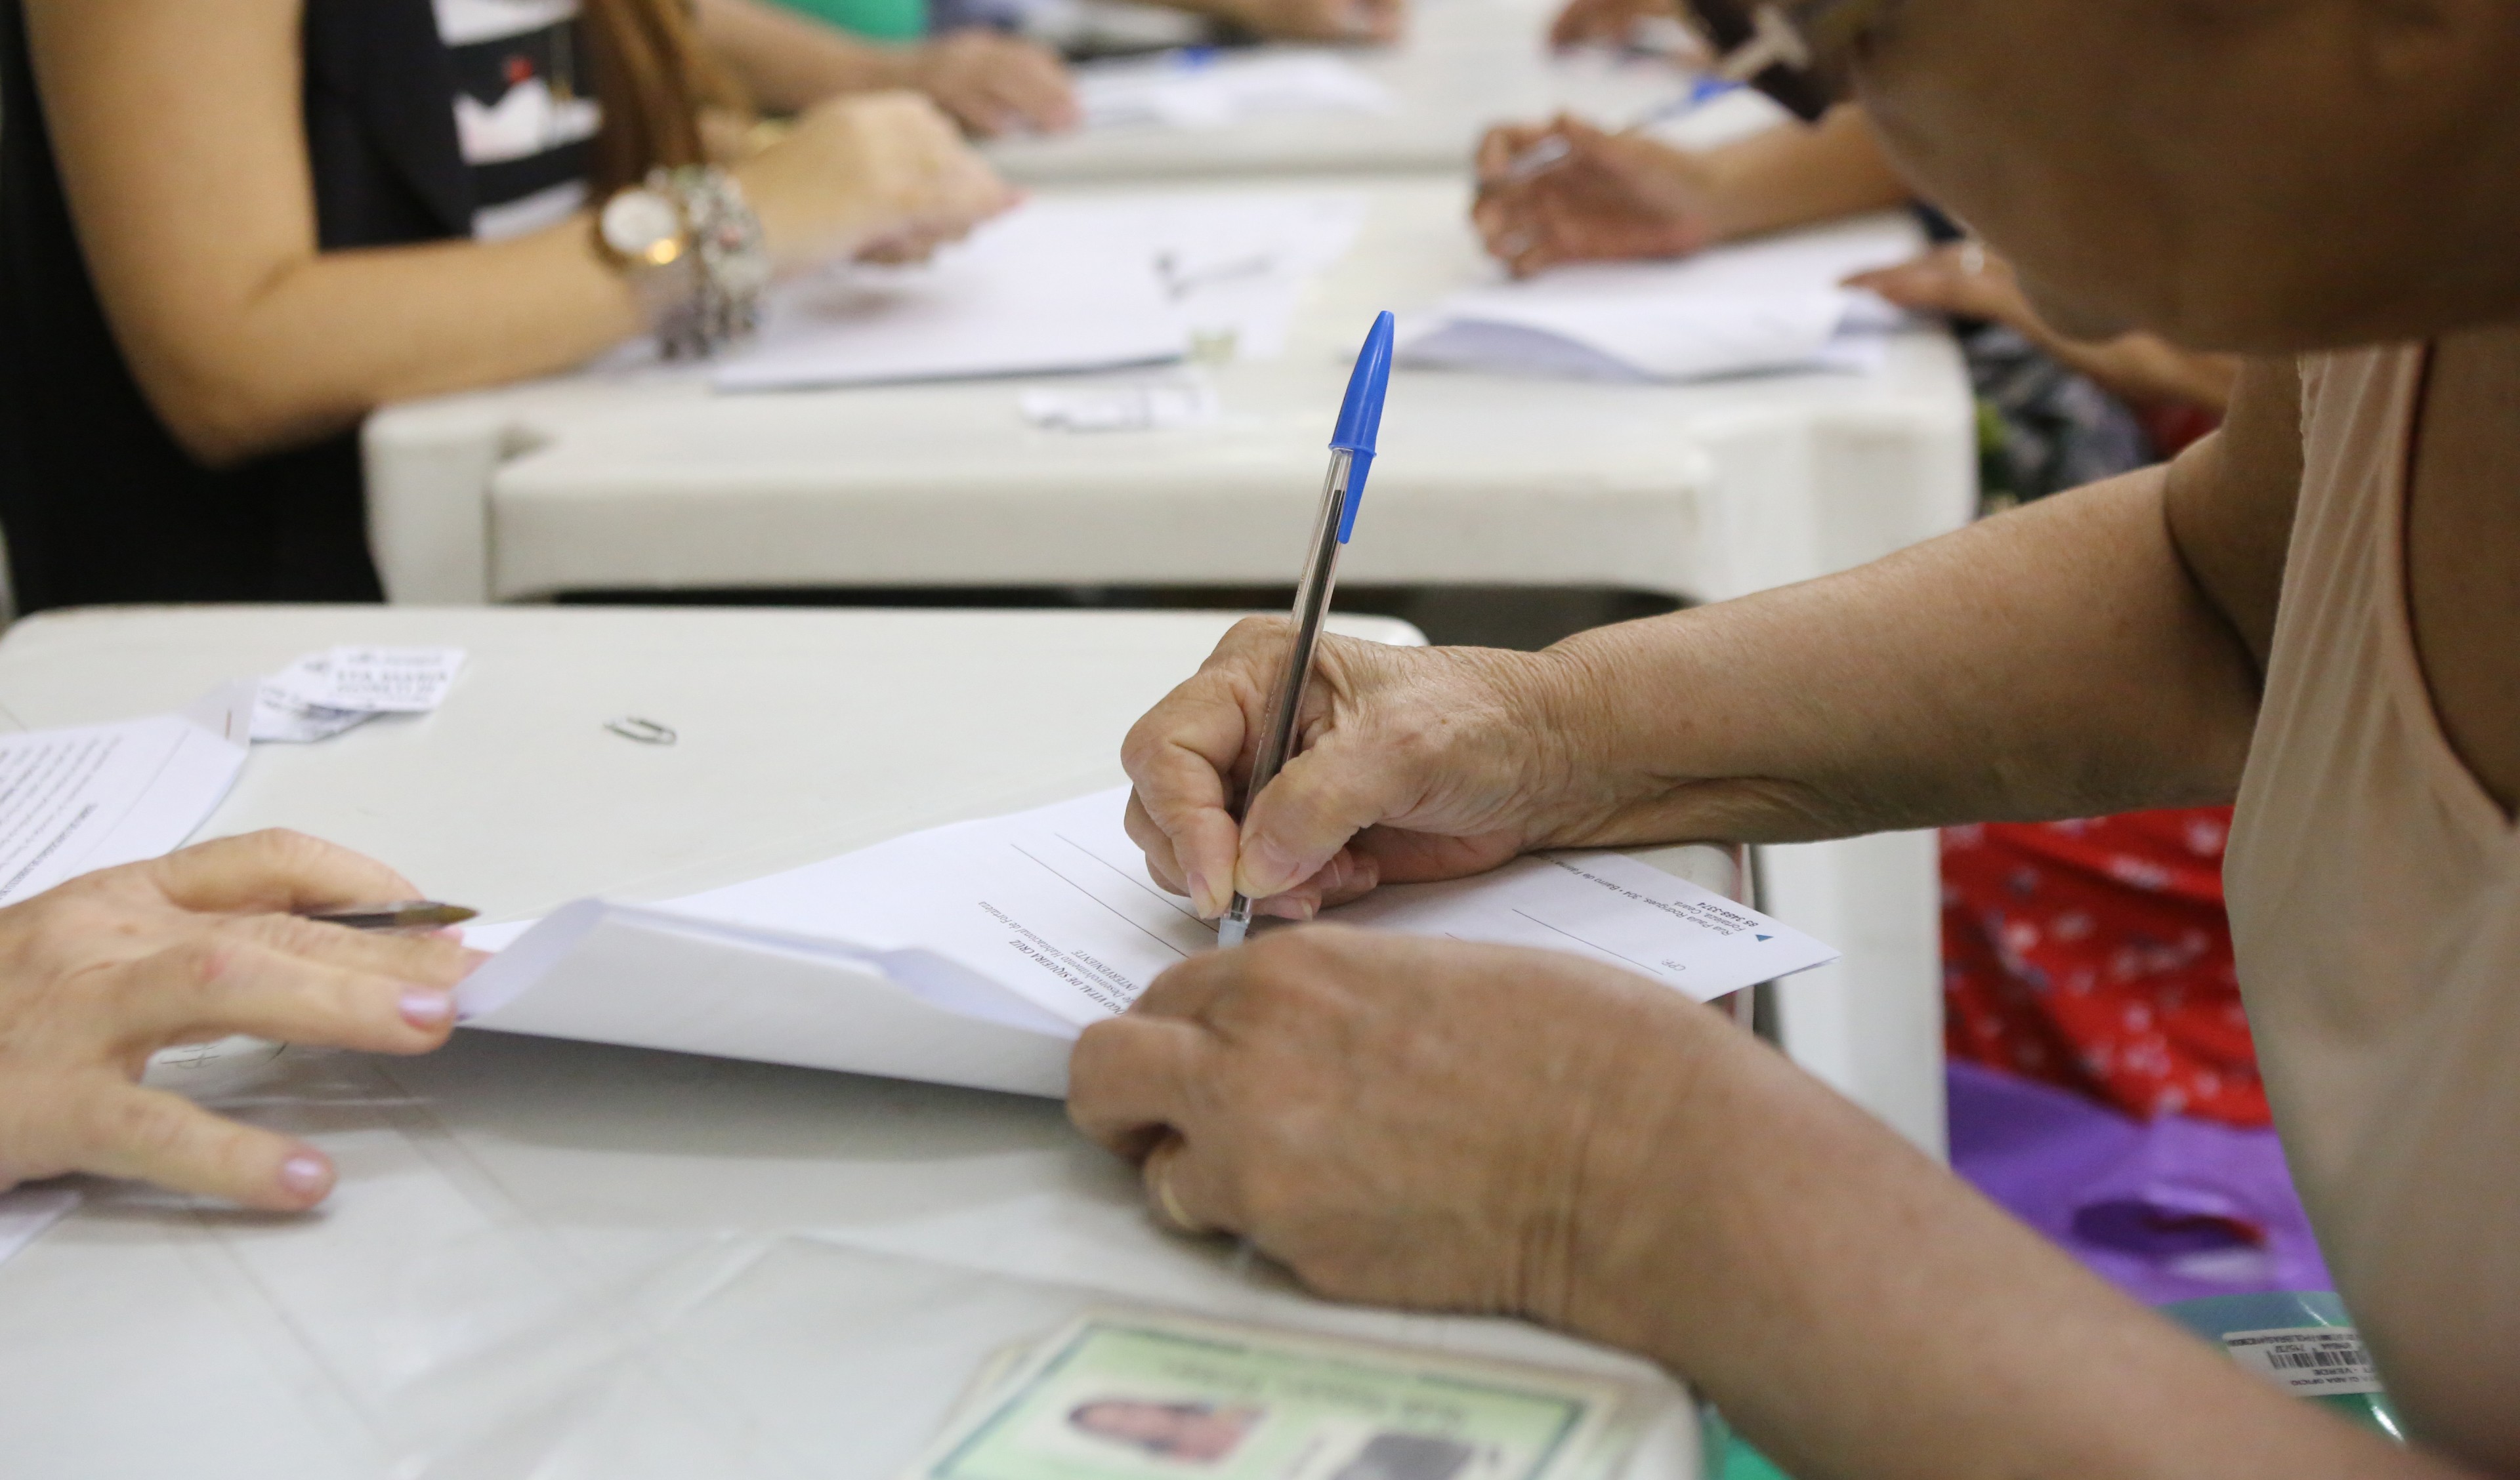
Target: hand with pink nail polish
(100, 972)
(1415, 764)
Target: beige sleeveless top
(2375, 902)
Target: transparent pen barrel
(1311, 609)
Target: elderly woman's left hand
(1401, 1120)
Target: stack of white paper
(81, 799)
(1767, 305)
(1200, 88)
(974, 954)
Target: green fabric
(1742, 1462)
(877, 20)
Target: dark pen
(396, 914)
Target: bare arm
(1797, 176)
(2093, 652)
(1622, 195)
(991, 83)
(2138, 367)
(182, 151)
(178, 128)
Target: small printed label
(2306, 1358)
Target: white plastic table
(1464, 65)
(647, 480)
(561, 1260)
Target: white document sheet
(1237, 264)
(1162, 407)
(1060, 285)
(1759, 306)
(1202, 88)
(26, 1212)
(1050, 286)
(79, 799)
(971, 953)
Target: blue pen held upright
(1360, 418)
(1360, 421)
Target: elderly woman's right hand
(100, 972)
(1415, 763)
(871, 174)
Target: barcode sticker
(2306, 1358)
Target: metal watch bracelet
(710, 294)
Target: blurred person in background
(797, 53)
(229, 229)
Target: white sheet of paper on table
(971, 953)
(1057, 286)
(1201, 88)
(26, 1212)
(1237, 263)
(1048, 286)
(1117, 408)
(1752, 307)
(92, 797)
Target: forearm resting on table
(2055, 661)
(331, 336)
(1786, 177)
(1857, 1311)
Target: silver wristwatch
(693, 248)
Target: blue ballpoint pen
(1342, 491)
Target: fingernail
(306, 1175)
(427, 1007)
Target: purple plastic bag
(2170, 1209)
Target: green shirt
(875, 20)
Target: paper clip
(645, 732)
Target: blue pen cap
(1361, 414)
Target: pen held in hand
(1553, 150)
(1352, 445)
(397, 915)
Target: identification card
(1129, 1396)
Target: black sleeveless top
(97, 501)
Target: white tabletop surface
(563, 1260)
(1464, 65)
(648, 481)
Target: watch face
(642, 226)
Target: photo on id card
(1124, 1396)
